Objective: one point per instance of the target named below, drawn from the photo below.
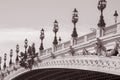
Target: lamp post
(26, 45)
(41, 37)
(0, 62)
(17, 51)
(101, 24)
(55, 30)
(5, 58)
(115, 16)
(74, 21)
(11, 54)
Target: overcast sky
(20, 19)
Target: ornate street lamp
(74, 21)
(115, 16)
(0, 62)
(11, 54)
(101, 6)
(5, 58)
(55, 30)
(42, 37)
(26, 45)
(17, 51)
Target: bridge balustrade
(91, 36)
(49, 50)
(80, 39)
(59, 47)
(110, 30)
(66, 44)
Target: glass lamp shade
(55, 29)
(17, 48)
(26, 41)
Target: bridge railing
(91, 36)
(81, 39)
(110, 30)
(87, 40)
(44, 52)
(66, 44)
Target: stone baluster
(63, 46)
(118, 28)
(99, 33)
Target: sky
(21, 19)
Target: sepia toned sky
(20, 19)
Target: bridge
(80, 54)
